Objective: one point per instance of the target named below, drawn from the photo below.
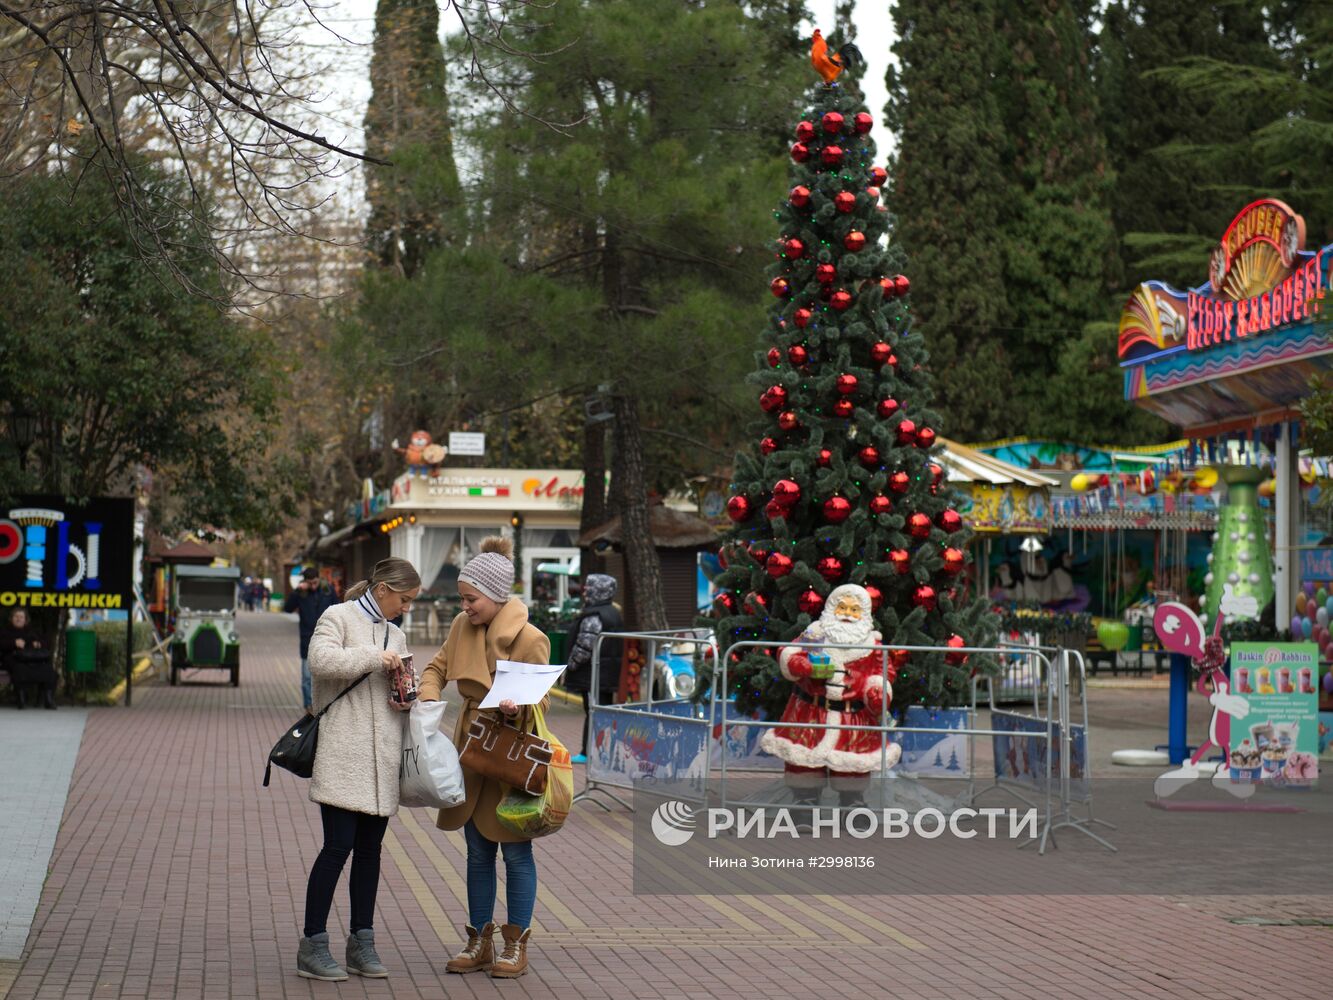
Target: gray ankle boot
(315, 961)
(361, 957)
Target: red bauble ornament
(758, 553)
(830, 568)
(794, 249)
(832, 156)
(924, 597)
(844, 201)
(906, 432)
(725, 602)
(826, 274)
(880, 504)
(901, 658)
(846, 384)
(901, 285)
(887, 407)
(775, 509)
(837, 510)
(936, 474)
(739, 508)
(810, 602)
(842, 408)
(953, 561)
(767, 446)
(779, 287)
(918, 526)
(854, 241)
(873, 192)
(805, 131)
(925, 438)
(901, 561)
(756, 604)
(886, 286)
(788, 421)
(787, 492)
(880, 353)
(876, 596)
(950, 521)
(799, 196)
(824, 459)
(868, 456)
(955, 642)
(774, 357)
(899, 482)
(832, 122)
(778, 565)
(800, 152)
(801, 317)
(773, 399)
(797, 355)
(879, 176)
(841, 300)
(862, 123)
(893, 362)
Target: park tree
(124, 377)
(948, 191)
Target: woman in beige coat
(493, 626)
(355, 779)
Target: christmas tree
(843, 483)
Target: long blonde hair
(396, 574)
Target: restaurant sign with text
(518, 489)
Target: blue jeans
(520, 879)
(307, 688)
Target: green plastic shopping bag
(540, 815)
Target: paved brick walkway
(176, 875)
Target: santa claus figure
(836, 687)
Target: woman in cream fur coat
(355, 779)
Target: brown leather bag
(495, 749)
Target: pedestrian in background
(492, 626)
(26, 654)
(309, 599)
(599, 615)
(355, 779)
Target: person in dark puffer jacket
(599, 615)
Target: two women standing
(356, 769)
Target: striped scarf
(371, 609)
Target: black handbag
(295, 749)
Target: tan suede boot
(513, 961)
(479, 953)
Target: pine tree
(1059, 244)
(843, 484)
(412, 201)
(949, 192)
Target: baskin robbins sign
(1246, 341)
(59, 555)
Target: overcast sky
(347, 85)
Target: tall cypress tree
(1058, 240)
(412, 202)
(948, 192)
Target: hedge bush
(111, 654)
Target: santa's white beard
(860, 633)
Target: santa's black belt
(829, 704)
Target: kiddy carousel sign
(1245, 342)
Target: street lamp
(23, 425)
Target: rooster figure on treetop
(829, 64)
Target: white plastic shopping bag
(430, 774)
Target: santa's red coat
(859, 684)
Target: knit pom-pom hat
(492, 570)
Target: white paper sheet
(521, 683)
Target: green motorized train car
(204, 603)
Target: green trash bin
(559, 646)
(81, 651)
